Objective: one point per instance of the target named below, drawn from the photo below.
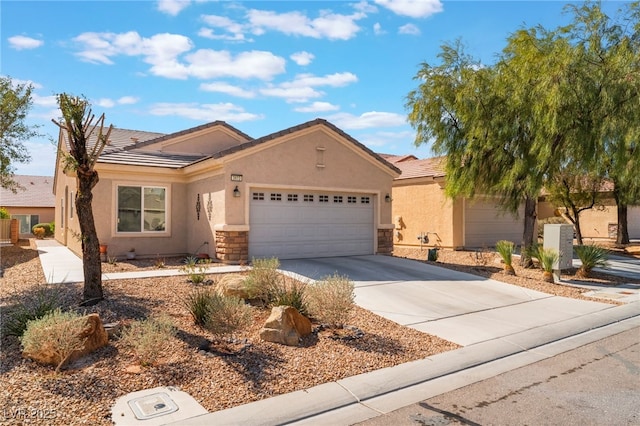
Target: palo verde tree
(85, 138)
(15, 102)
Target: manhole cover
(154, 405)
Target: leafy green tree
(85, 138)
(15, 102)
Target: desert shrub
(506, 249)
(39, 232)
(553, 220)
(289, 292)
(57, 332)
(29, 306)
(52, 227)
(547, 258)
(4, 214)
(147, 337)
(591, 256)
(330, 300)
(196, 270)
(47, 229)
(262, 278)
(227, 315)
(198, 305)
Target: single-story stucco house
(306, 191)
(425, 217)
(600, 222)
(31, 204)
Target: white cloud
(367, 120)
(235, 31)
(412, 8)
(227, 89)
(208, 33)
(105, 103)
(43, 159)
(377, 29)
(328, 25)
(301, 88)
(163, 52)
(205, 112)
(302, 58)
(206, 63)
(365, 7)
(172, 7)
(390, 139)
(318, 107)
(44, 101)
(22, 42)
(409, 29)
(128, 100)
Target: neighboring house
(307, 191)
(33, 203)
(600, 222)
(424, 216)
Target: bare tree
(85, 138)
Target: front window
(141, 209)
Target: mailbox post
(559, 238)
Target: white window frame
(143, 232)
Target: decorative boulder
(233, 285)
(286, 326)
(94, 333)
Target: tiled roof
(428, 167)
(150, 158)
(398, 158)
(124, 138)
(119, 152)
(38, 192)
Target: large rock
(233, 285)
(96, 337)
(286, 326)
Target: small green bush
(52, 227)
(289, 292)
(227, 315)
(29, 306)
(198, 305)
(147, 337)
(48, 232)
(506, 249)
(196, 270)
(330, 300)
(57, 332)
(4, 214)
(263, 278)
(591, 256)
(547, 258)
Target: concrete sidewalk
(61, 265)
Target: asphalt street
(596, 384)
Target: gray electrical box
(560, 238)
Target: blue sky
(262, 66)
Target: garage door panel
(299, 229)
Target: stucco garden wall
(422, 208)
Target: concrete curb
(364, 396)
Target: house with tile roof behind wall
(307, 191)
(31, 204)
(425, 217)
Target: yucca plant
(506, 249)
(547, 258)
(591, 256)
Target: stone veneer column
(385, 241)
(232, 246)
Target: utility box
(559, 237)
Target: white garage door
(292, 225)
(485, 224)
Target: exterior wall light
(387, 198)
(236, 192)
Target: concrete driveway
(462, 308)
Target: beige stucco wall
(46, 215)
(420, 206)
(199, 231)
(594, 223)
(292, 162)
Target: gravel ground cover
(84, 392)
